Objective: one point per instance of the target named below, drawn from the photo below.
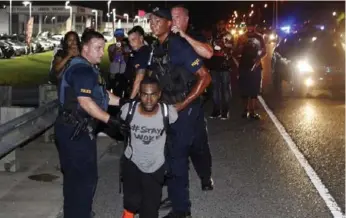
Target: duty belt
(81, 124)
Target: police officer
(183, 79)
(83, 102)
(200, 155)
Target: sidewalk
(21, 196)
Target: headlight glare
(304, 67)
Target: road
(256, 173)
(256, 170)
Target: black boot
(178, 215)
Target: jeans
(221, 90)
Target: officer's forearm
(93, 109)
(203, 81)
(202, 49)
(139, 77)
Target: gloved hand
(118, 123)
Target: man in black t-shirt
(139, 61)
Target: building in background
(55, 19)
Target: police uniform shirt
(182, 54)
(83, 80)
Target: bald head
(180, 17)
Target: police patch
(87, 91)
(195, 63)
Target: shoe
(215, 114)
(245, 114)
(225, 116)
(178, 215)
(254, 116)
(93, 214)
(208, 186)
(128, 214)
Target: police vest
(67, 95)
(175, 81)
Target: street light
(52, 20)
(10, 17)
(96, 14)
(26, 3)
(68, 6)
(108, 4)
(252, 5)
(127, 20)
(265, 5)
(334, 13)
(114, 18)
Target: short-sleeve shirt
(141, 57)
(147, 143)
(83, 80)
(181, 53)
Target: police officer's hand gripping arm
(89, 105)
(203, 49)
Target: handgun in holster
(82, 125)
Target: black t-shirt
(138, 60)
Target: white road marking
(322, 190)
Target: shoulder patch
(195, 63)
(87, 91)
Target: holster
(81, 124)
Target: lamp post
(108, 4)
(114, 19)
(68, 6)
(10, 17)
(26, 3)
(52, 20)
(127, 20)
(96, 14)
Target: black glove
(118, 123)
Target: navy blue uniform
(78, 158)
(188, 133)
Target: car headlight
(304, 67)
(241, 32)
(272, 36)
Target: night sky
(207, 12)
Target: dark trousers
(200, 152)
(78, 160)
(142, 191)
(188, 137)
(221, 90)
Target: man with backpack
(143, 168)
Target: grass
(32, 70)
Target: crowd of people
(157, 86)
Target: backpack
(130, 114)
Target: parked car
(6, 50)
(309, 61)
